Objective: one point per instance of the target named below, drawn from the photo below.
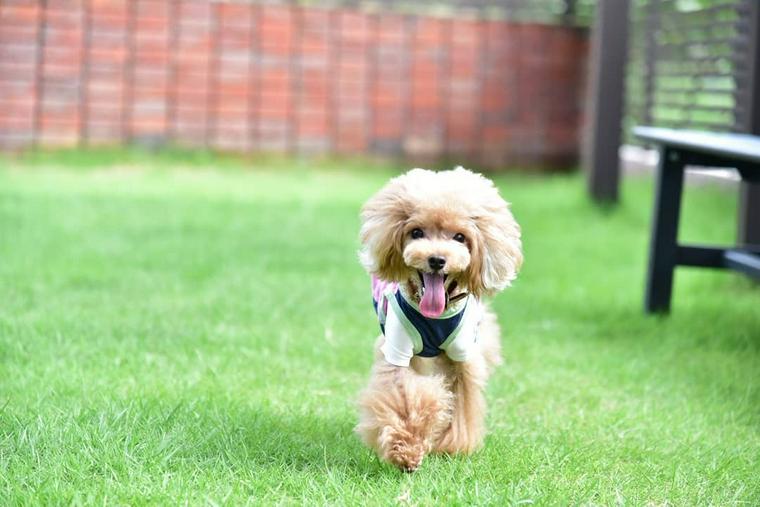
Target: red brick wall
(242, 77)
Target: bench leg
(663, 245)
(749, 214)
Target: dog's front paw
(407, 457)
(402, 449)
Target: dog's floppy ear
(384, 217)
(497, 252)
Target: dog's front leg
(403, 414)
(468, 380)
(467, 429)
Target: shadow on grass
(706, 353)
(703, 321)
(275, 440)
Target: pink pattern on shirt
(378, 289)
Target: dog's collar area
(454, 299)
(453, 303)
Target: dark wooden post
(604, 110)
(749, 200)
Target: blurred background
(485, 83)
(426, 81)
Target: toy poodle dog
(434, 243)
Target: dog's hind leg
(403, 413)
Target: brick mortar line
(254, 84)
(212, 88)
(84, 75)
(175, 34)
(333, 64)
(39, 85)
(293, 136)
(129, 71)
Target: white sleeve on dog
(461, 347)
(397, 348)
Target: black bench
(678, 149)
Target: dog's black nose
(436, 263)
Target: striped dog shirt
(409, 333)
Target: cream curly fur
(435, 404)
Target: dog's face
(441, 234)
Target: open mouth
(434, 294)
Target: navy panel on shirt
(382, 325)
(433, 331)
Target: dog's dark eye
(459, 237)
(417, 233)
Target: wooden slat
(739, 146)
(749, 200)
(744, 262)
(688, 53)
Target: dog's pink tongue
(434, 296)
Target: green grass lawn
(172, 333)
